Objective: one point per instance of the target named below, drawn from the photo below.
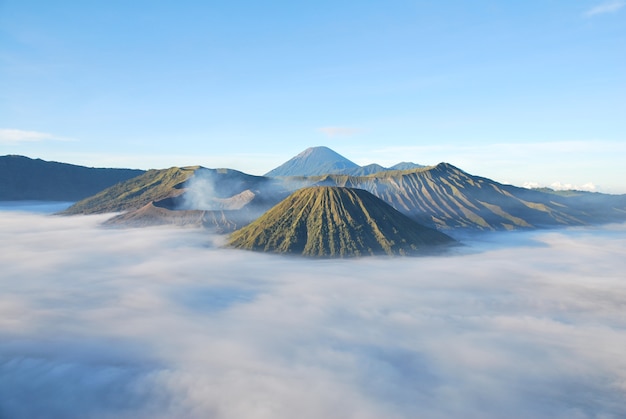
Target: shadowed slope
(336, 222)
(152, 214)
(23, 178)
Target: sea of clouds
(164, 323)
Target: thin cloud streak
(604, 8)
(334, 132)
(161, 322)
(18, 136)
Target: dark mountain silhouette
(23, 178)
(336, 222)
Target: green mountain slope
(154, 185)
(336, 222)
(23, 178)
(186, 188)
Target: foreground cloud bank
(163, 323)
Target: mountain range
(442, 196)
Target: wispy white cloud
(159, 322)
(560, 186)
(333, 132)
(18, 136)
(603, 8)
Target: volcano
(326, 221)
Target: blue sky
(522, 92)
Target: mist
(213, 189)
(163, 322)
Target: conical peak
(319, 150)
(330, 221)
(314, 161)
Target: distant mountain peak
(312, 162)
(321, 160)
(318, 150)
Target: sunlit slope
(186, 188)
(444, 196)
(336, 222)
(152, 186)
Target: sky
(163, 323)
(530, 93)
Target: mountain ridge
(24, 178)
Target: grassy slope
(153, 185)
(336, 222)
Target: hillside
(336, 222)
(153, 185)
(23, 178)
(186, 188)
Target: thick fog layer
(161, 323)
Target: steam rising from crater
(207, 190)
